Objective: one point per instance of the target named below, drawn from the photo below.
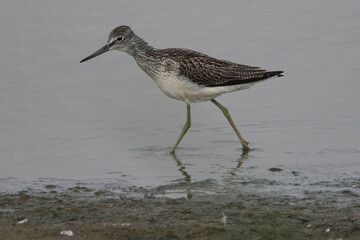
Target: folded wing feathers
(211, 72)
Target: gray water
(105, 123)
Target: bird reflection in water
(243, 156)
(187, 177)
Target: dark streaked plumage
(211, 72)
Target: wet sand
(101, 214)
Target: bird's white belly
(171, 86)
(183, 89)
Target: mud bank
(101, 214)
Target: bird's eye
(120, 39)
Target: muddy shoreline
(103, 214)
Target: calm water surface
(105, 123)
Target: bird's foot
(245, 146)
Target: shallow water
(104, 123)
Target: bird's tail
(266, 75)
(272, 74)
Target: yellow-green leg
(185, 128)
(227, 115)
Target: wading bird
(186, 75)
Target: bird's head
(121, 38)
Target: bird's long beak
(102, 50)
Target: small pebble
(25, 220)
(224, 219)
(327, 230)
(274, 169)
(67, 233)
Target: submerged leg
(227, 115)
(185, 128)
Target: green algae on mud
(92, 214)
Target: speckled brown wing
(211, 72)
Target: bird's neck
(141, 49)
(144, 55)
